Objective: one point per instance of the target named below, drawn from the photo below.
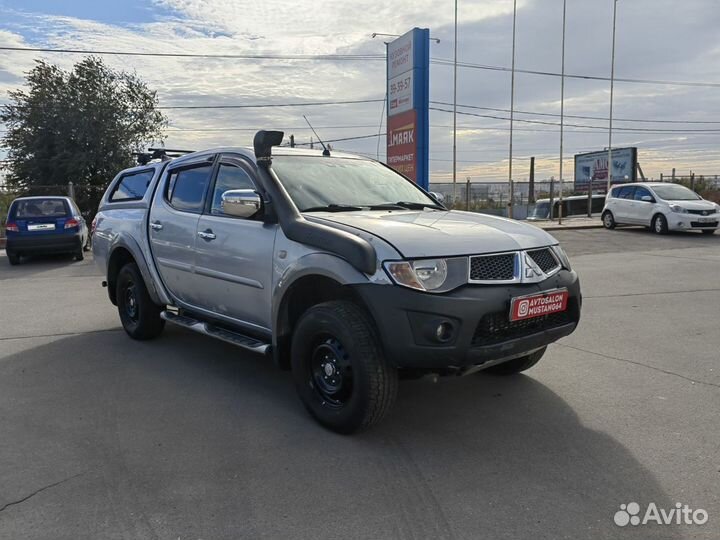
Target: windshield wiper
(407, 205)
(332, 208)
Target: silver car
(335, 267)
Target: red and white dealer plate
(537, 305)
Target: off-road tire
(511, 367)
(140, 317)
(342, 327)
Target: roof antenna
(326, 152)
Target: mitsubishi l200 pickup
(334, 266)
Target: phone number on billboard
(400, 86)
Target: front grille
(701, 212)
(492, 267)
(544, 259)
(496, 327)
(699, 224)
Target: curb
(571, 227)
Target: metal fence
(494, 197)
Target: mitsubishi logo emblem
(532, 271)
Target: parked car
(574, 205)
(661, 206)
(47, 224)
(336, 267)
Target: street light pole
(454, 165)
(562, 113)
(512, 111)
(612, 88)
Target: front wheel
(140, 317)
(511, 367)
(339, 369)
(659, 224)
(608, 220)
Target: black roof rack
(163, 154)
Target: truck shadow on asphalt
(188, 436)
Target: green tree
(79, 126)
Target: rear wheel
(139, 315)
(13, 258)
(511, 367)
(709, 231)
(659, 224)
(339, 369)
(608, 220)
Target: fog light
(444, 332)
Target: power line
(350, 57)
(268, 105)
(445, 62)
(543, 122)
(246, 56)
(605, 118)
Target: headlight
(717, 208)
(423, 275)
(679, 209)
(562, 256)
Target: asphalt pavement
(185, 437)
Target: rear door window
(626, 192)
(186, 188)
(132, 187)
(40, 208)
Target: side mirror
(647, 198)
(242, 203)
(439, 197)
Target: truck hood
(440, 233)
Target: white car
(661, 206)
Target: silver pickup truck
(335, 267)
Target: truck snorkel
(353, 249)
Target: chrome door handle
(156, 226)
(206, 235)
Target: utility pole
(512, 111)
(454, 165)
(531, 185)
(612, 88)
(562, 113)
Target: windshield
(674, 192)
(315, 182)
(540, 211)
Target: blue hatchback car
(47, 224)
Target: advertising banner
(402, 144)
(408, 88)
(593, 167)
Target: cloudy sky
(662, 40)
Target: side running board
(201, 327)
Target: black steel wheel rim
(331, 375)
(131, 305)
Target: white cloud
(343, 26)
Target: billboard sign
(408, 88)
(593, 167)
(402, 144)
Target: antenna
(326, 152)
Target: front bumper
(482, 333)
(693, 222)
(56, 243)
